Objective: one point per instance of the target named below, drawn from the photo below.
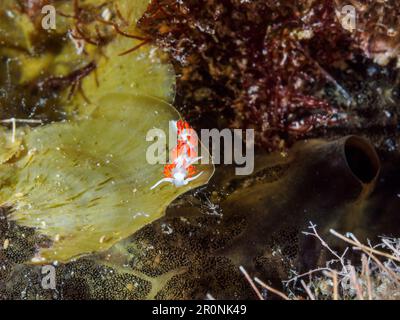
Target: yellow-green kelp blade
(142, 72)
(24, 44)
(86, 184)
(15, 28)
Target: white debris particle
(6, 244)
(166, 228)
(37, 258)
(141, 214)
(106, 14)
(10, 14)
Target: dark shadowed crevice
(361, 159)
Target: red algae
(259, 64)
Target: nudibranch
(182, 171)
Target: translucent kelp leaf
(15, 28)
(48, 66)
(142, 72)
(88, 14)
(86, 184)
(132, 10)
(9, 146)
(127, 63)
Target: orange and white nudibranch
(182, 171)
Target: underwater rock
(287, 68)
(254, 64)
(110, 85)
(258, 221)
(324, 182)
(194, 249)
(377, 29)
